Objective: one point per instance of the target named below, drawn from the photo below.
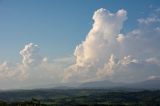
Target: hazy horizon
(55, 42)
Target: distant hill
(101, 84)
(64, 87)
(148, 84)
(90, 90)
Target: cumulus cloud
(108, 68)
(6, 70)
(30, 55)
(143, 41)
(105, 29)
(34, 70)
(149, 20)
(99, 44)
(106, 53)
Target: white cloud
(108, 54)
(30, 55)
(108, 68)
(154, 60)
(6, 71)
(152, 19)
(34, 70)
(153, 77)
(148, 20)
(120, 38)
(99, 44)
(105, 28)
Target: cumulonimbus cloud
(105, 54)
(98, 46)
(108, 54)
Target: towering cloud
(103, 35)
(105, 54)
(33, 71)
(36, 68)
(108, 54)
(30, 55)
(99, 45)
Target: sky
(54, 41)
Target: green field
(72, 97)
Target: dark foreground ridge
(85, 97)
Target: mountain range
(148, 84)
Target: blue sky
(49, 42)
(57, 26)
